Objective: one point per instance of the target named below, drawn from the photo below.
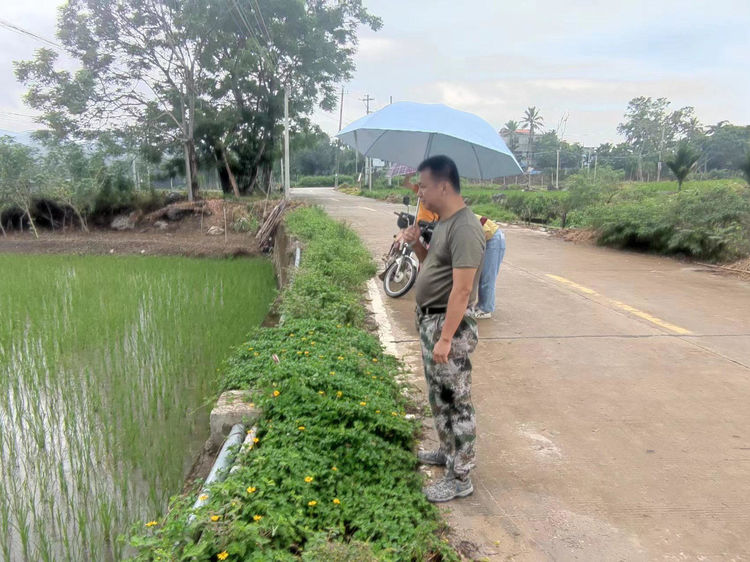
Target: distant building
(518, 141)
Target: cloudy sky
(577, 58)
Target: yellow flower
(251, 489)
(256, 354)
(312, 343)
(151, 523)
(256, 440)
(291, 335)
(203, 497)
(307, 353)
(304, 338)
(336, 501)
(394, 413)
(377, 411)
(308, 479)
(338, 325)
(250, 348)
(301, 428)
(341, 358)
(215, 517)
(299, 353)
(363, 403)
(276, 393)
(332, 373)
(312, 503)
(360, 354)
(374, 360)
(222, 555)
(257, 517)
(322, 393)
(339, 394)
(374, 377)
(334, 468)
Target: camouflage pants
(449, 390)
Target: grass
(108, 367)
(332, 476)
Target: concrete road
(613, 399)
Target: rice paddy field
(108, 368)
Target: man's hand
(412, 234)
(441, 351)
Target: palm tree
(533, 120)
(745, 167)
(509, 130)
(682, 162)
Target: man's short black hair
(442, 168)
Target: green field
(707, 219)
(108, 367)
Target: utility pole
(557, 170)
(338, 143)
(368, 161)
(286, 142)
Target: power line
(22, 31)
(262, 19)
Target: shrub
(705, 224)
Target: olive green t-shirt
(457, 243)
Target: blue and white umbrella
(407, 133)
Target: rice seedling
(108, 368)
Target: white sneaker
(482, 315)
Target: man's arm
(463, 283)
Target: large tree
(305, 47)
(142, 63)
(534, 121)
(172, 70)
(652, 129)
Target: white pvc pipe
(220, 470)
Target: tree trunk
(232, 179)
(226, 185)
(191, 162)
(31, 220)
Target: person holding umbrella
(446, 285)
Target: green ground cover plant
(332, 475)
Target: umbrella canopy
(407, 133)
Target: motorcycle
(401, 263)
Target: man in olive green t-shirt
(446, 285)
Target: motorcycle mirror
(406, 200)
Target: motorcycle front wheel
(399, 278)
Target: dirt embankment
(198, 233)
